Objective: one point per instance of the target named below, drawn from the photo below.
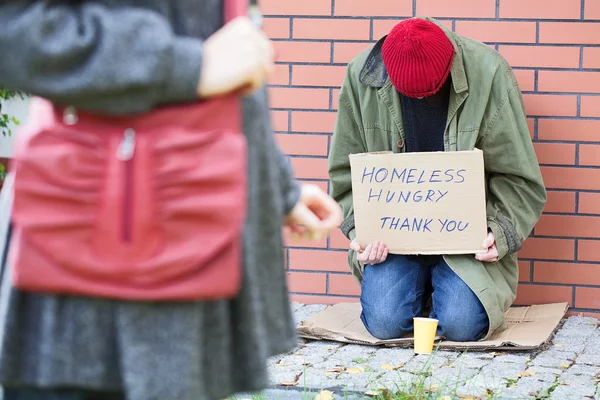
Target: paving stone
(360, 381)
(525, 388)
(395, 381)
(485, 381)
(468, 361)
(550, 361)
(588, 359)
(303, 313)
(545, 374)
(353, 352)
(278, 373)
(423, 363)
(316, 377)
(513, 358)
(392, 356)
(574, 390)
(322, 348)
(558, 354)
(302, 359)
(451, 378)
(580, 323)
(582, 369)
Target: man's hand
(492, 251)
(375, 253)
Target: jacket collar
(374, 74)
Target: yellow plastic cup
(425, 329)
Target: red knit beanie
(418, 56)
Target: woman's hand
(492, 251)
(239, 55)
(374, 253)
(315, 214)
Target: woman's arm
(115, 60)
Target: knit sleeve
(116, 60)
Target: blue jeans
(395, 291)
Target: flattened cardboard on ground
(420, 203)
(528, 328)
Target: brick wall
(554, 47)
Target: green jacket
(485, 111)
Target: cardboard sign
(420, 203)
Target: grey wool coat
(122, 57)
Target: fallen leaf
(354, 371)
(526, 373)
(560, 345)
(596, 380)
(444, 398)
(285, 383)
(372, 393)
(389, 367)
(283, 365)
(337, 369)
(324, 395)
(563, 365)
(495, 353)
(533, 394)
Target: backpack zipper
(125, 153)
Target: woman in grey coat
(123, 57)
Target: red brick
(560, 202)
(591, 57)
(540, 9)
(548, 249)
(590, 106)
(568, 226)
(305, 7)
(550, 105)
(569, 32)
(373, 8)
(589, 203)
(541, 56)
(524, 271)
(592, 10)
(299, 51)
(588, 250)
(571, 178)
(526, 78)
(569, 130)
(566, 81)
(382, 27)
(542, 294)
(569, 273)
(555, 153)
(277, 28)
(498, 31)
(318, 75)
(332, 29)
(338, 240)
(589, 154)
(308, 299)
(343, 285)
(299, 98)
(345, 52)
(310, 168)
(280, 120)
(290, 241)
(281, 75)
(457, 8)
(307, 282)
(587, 297)
(306, 121)
(303, 145)
(319, 260)
(324, 184)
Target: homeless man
(422, 88)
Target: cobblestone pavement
(567, 368)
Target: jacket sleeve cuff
(348, 226)
(506, 242)
(182, 83)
